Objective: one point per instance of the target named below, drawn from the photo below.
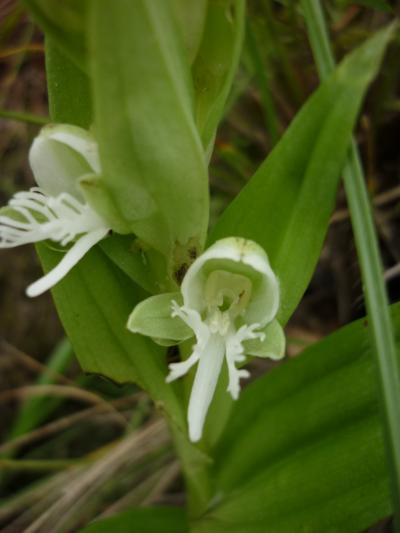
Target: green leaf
(142, 520)
(95, 193)
(126, 253)
(152, 318)
(63, 22)
(216, 63)
(68, 88)
(94, 300)
(303, 450)
(287, 204)
(149, 146)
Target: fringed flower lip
(228, 301)
(56, 209)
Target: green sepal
(96, 194)
(273, 345)
(152, 318)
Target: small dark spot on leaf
(180, 273)
(192, 252)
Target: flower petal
(152, 317)
(235, 355)
(61, 154)
(69, 260)
(238, 256)
(79, 140)
(205, 382)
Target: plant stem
(196, 469)
(371, 268)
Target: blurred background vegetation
(60, 428)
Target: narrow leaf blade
(142, 520)
(294, 190)
(312, 457)
(216, 63)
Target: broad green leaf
(142, 520)
(94, 302)
(68, 88)
(287, 204)
(63, 22)
(303, 450)
(93, 188)
(145, 266)
(96, 297)
(216, 63)
(152, 158)
(126, 253)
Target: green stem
(196, 469)
(371, 268)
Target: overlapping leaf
(153, 162)
(294, 190)
(287, 204)
(95, 299)
(94, 303)
(216, 63)
(303, 449)
(64, 22)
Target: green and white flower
(229, 299)
(57, 209)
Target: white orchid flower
(229, 300)
(57, 210)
